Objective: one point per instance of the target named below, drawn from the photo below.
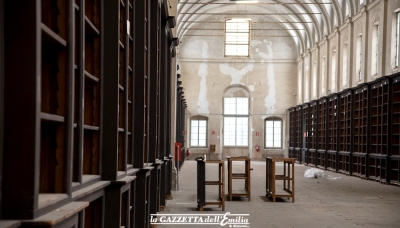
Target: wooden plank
(131, 172)
(90, 76)
(45, 199)
(91, 128)
(51, 117)
(90, 27)
(110, 34)
(9, 224)
(89, 190)
(86, 178)
(21, 113)
(57, 216)
(139, 82)
(51, 37)
(212, 183)
(1, 95)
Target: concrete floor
(345, 202)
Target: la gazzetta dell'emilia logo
(224, 220)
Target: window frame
(274, 119)
(248, 41)
(236, 116)
(198, 118)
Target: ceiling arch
(307, 21)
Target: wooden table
(243, 176)
(287, 177)
(201, 183)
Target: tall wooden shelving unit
(322, 133)
(299, 134)
(332, 133)
(345, 131)
(361, 131)
(304, 129)
(379, 141)
(312, 131)
(86, 79)
(394, 128)
(292, 132)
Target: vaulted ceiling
(307, 21)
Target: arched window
(198, 131)
(236, 117)
(273, 132)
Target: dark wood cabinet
(360, 131)
(84, 69)
(345, 131)
(322, 132)
(299, 134)
(332, 132)
(355, 132)
(292, 132)
(394, 130)
(312, 133)
(379, 134)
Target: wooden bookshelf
(312, 131)
(292, 132)
(345, 131)
(360, 131)
(122, 85)
(394, 149)
(379, 130)
(322, 133)
(394, 171)
(81, 105)
(304, 129)
(332, 132)
(54, 98)
(299, 134)
(129, 83)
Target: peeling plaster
(270, 99)
(236, 75)
(202, 102)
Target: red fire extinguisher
(188, 151)
(257, 148)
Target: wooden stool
(287, 177)
(201, 184)
(244, 176)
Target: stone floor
(345, 202)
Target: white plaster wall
(269, 75)
(323, 76)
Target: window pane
(229, 105)
(237, 37)
(202, 136)
(202, 142)
(242, 105)
(198, 133)
(229, 131)
(202, 123)
(242, 131)
(273, 133)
